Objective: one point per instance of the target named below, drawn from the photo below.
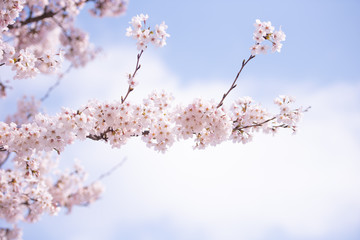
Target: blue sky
(216, 35)
(284, 187)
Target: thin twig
(62, 28)
(55, 84)
(233, 85)
(238, 128)
(138, 66)
(108, 173)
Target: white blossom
(264, 32)
(144, 35)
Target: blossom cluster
(27, 108)
(26, 65)
(6, 50)
(36, 186)
(144, 34)
(10, 234)
(78, 50)
(69, 189)
(156, 120)
(287, 116)
(109, 8)
(204, 121)
(36, 32)
(9, 10)
(264, 31)
(30, 190)
(24, 62)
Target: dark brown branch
(233, 85)
(45, 15)
(137, 67)
(101, 136)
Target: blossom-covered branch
(162, 122)
(29, 138)
(132, 82)
(29, 33)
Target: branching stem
(57, 83)
(31, 19)
(108, 173)
(233, 85)
(137, 67)
(239, 127)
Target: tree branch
(108, 173)
(137, 67)
(45, 15)
(51, 88)
(233, 85)
(101, 136)
(239, 128)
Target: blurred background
(303, 186)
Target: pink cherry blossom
(40, 35)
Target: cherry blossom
(264, 31)
(109, 8)
(36, 37)
(35, 33)
(156, 120)
(144, 34)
